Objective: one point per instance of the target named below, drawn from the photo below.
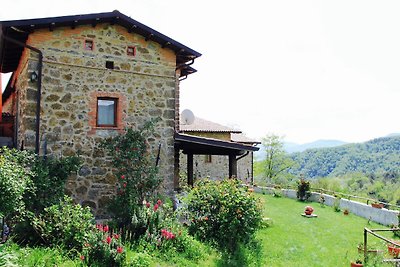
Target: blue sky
(305, 70)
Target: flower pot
(346, 212)
(353, 264)
(394, 251)
(308, 210)
(377, 205)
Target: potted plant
(358, 263)
(308, 210)
(393, 250)
(377, 205)
(346, 212)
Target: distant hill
(377, 156)
(293, 147)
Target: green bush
(15, 182)
(223, 212)
(303, 190)
(65, 224)
(135, 170)
(50, 175)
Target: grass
(329, 240)
(291, 240)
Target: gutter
(39, 86)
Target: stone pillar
(176, 169)
(232, 166)
(190, 168)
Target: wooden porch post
(232, 165)
(190, 168)
(176, 169)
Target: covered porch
(195, 145)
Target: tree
(276, 162)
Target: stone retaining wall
(382, 216)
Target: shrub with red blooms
(223, 212)
(135, 170)
(103, 248)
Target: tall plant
(135, 169)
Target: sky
(305, 70)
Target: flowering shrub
(65, 224)
(103, 248)
(164, 233)
(223, 212)
(135, 170)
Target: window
(208, 159)
(107, 112)
(89, 45)
(131, 51)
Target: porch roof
(208, 146)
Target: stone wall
(218, 168)
(74, 77)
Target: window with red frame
(131, 51)
(89, 45)
(106, 115)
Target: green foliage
(140, 260)
(223, 212)
(65, 224)
(135, 170)
(103, 248)
(277, 162)
(49, 179)
(303, 190)
(379, 156)
(15, 182)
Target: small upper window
(131, 51)
(106, 112)
(89, 45)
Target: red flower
(105, 228)
(155, 207)
(147, 204)
(122, 177)
(82, 257)
(159, 202)
(124, 185)
(206, 218)
(120, 250)
(116, 236)
(108, 239)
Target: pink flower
(99, 227)
(155, 207)
(105, 228)
(124, 185)
(120, 250)
(159, 202)
(108, 239)
(122, 177)
(82, 257)
(148, 205)
(116, 236)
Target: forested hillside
(379, 156)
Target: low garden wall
(382, 216)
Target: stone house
(78, 79)
(215, 166)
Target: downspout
(39, 87)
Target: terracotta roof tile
(201, 125)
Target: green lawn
(329, 240)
